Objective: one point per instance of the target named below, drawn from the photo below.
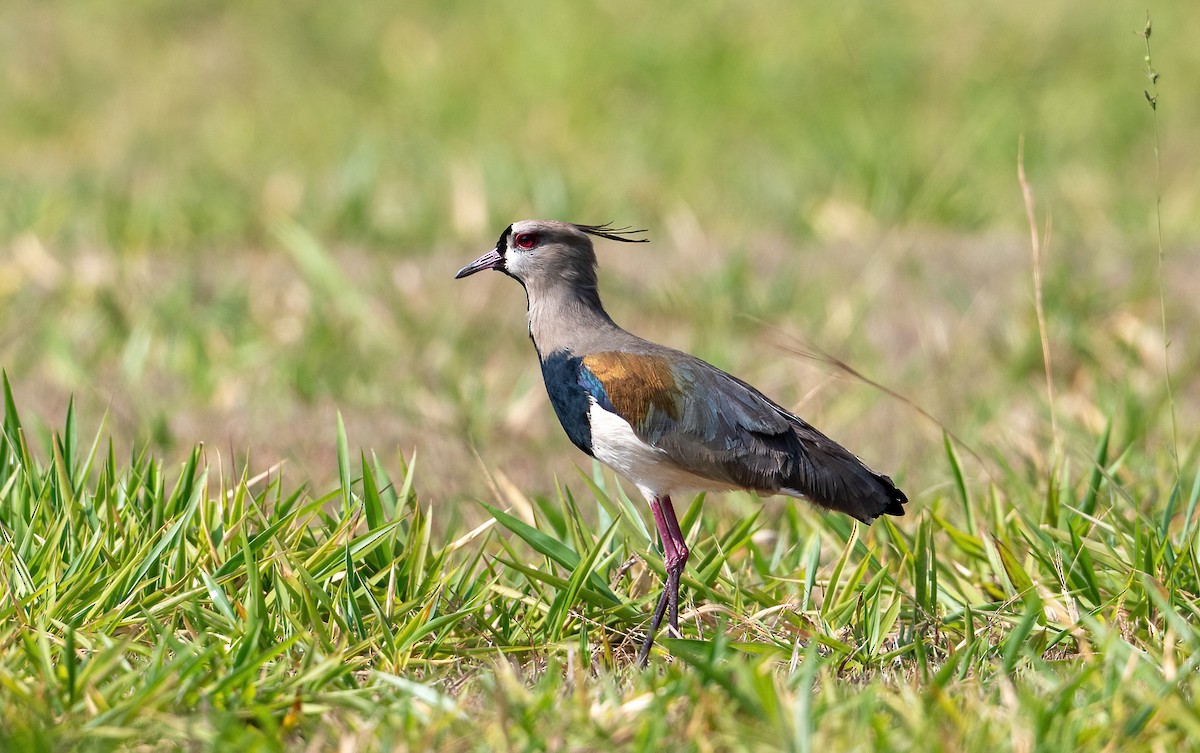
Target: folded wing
(718, 427)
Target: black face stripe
(502, 244)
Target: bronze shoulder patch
(636, 385)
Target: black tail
(895, 498)
(834, 478)
(868, 496)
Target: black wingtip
(896, 498)
(611, 233)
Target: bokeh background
(225, 222)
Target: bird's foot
(648, 642)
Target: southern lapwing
(666, 420)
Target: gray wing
(728, 431)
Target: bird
(667, 421)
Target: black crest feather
(612, 233)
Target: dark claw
(644, 653)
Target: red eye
(526, 240)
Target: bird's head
(541, 253)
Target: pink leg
(675, 557)
(675, 564)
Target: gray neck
(567, 317)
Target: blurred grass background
(225, 222)
(228, 222)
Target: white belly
(615, 444)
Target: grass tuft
(169, 605)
